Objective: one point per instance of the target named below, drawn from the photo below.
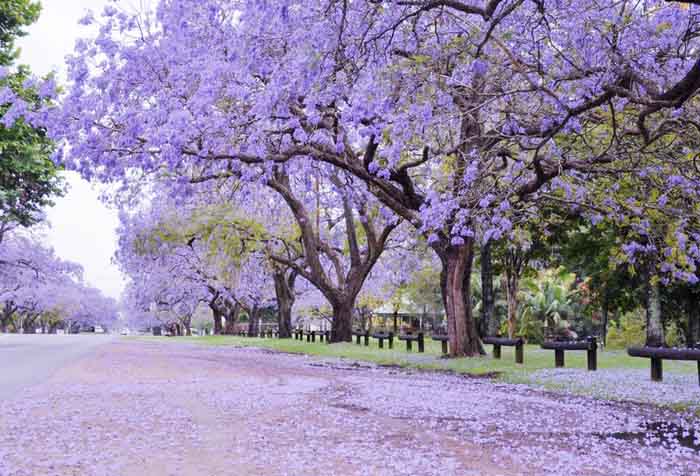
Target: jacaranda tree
(462, 119)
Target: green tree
(549, 299)
(28, 178)
(15, 15)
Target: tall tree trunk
(605, 316)
(231, 314)
(28, 326)
(285, 301)
(341, 327)
(253, 315)
(217, 315)
(512, 282)
(652, 305)
(6, 316)
(455, 281)
(489, 323)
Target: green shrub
(630, 331)
(674, 335)
(528, 327)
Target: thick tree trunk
(6, 316)
(489, 323)
(231, 315)
(652, 305)
(455, 280)
(253, 328)
(285, 302)
(28, 327)
(341, 327)
(217, 315)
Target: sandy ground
(137, 408)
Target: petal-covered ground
(134, 408)
(634, 385)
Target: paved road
(30, 359)
(135, 408)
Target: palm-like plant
(549, 298)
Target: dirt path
(135, 409)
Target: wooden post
(444, 347)
(559, 358)
(519, 353)
(391, 343)
(592, 354)
(657, 369)
(421, 342)
(366, 338)
(496, 351)
(381, 342)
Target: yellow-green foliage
(224, 232)
(630, 332)
(674, 336)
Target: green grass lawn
(535, 358)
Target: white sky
(82, 228)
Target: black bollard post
(391, 340)
(421, 342)
(366, 338)
(519, 352)
(496, 351)
(559, 358)
(657, 369)
(381, 342)
(444, 347)
(592, 354)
